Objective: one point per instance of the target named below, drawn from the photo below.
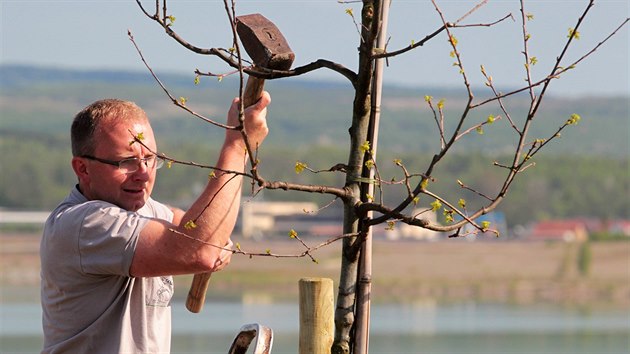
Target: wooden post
(316, 315)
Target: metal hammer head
(264, 43)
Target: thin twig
(167, 92)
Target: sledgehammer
(268, 49)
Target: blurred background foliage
(585, 173)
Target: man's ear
(79, 165)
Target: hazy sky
(89, 34)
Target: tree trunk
(364, 285)
(345, 311)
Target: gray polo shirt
(90, 302)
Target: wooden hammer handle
(253, 90)
(197, 293)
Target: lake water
(420, 328)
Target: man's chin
(134, 204)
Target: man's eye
(129, 161)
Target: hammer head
(264, 43)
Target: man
(108, 250)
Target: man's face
(105, 182)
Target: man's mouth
(133, 191)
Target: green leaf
(365, 147)
(453, 40)
(573, 34)
(448, 216)
(299, 167)
(574, 119)
(190, 224)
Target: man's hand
(224, 258)
(255, 123)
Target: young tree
(364, 188)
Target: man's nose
(143, 172)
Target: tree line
(36, 175)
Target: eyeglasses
(132, 164)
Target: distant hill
(21, 76)
(43, 100)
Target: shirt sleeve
(107, 239)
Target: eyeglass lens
(131, 165)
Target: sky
(92, 34)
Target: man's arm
(163, 249)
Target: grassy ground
(448, 271)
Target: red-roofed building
(560, 230)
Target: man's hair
(91, 119)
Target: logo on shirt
(159, 291)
